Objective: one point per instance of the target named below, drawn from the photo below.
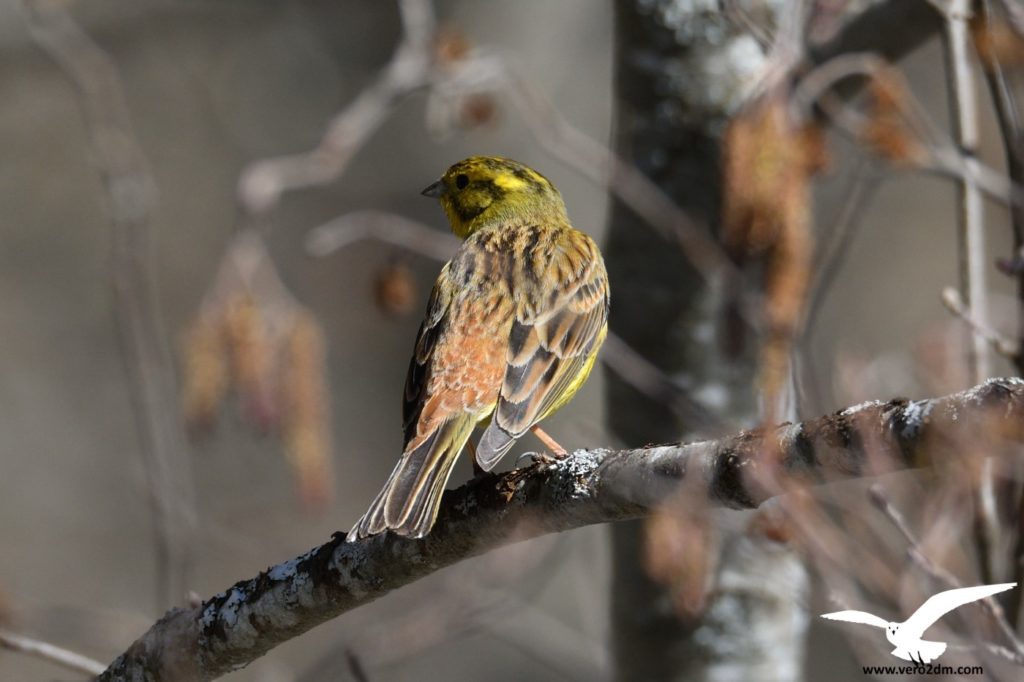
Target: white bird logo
(906, 636)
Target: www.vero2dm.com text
(926, 669)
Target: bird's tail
(409, 501)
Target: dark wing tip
(493, 446)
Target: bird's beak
(435, 191)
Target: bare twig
(742, 17)
(600, 164)
(131, 197)
(1011, 129)
(889, 28)
(653, 382)
(1003, 652)
(413, 69)
(1015, 14)
(955, 304)
(595, 486)
(829, 261)
(355, 667)
(972, 236)
(971, 250)
(390, 228)
(830, 258)
(263, 182)
(943, 156)
(787, 49)
(52, 653)
(881, 502)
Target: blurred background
(211, 87)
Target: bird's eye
(461, 180)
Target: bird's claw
(534, 457)
(541, 458)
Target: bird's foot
(537, 459)
(557, 451)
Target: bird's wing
(426, 341)
(561, 317)
(942, 603)
(458, 360)
(857, 617)
(457, 365)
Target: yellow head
(486, 190)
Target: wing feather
(550, 343)
(418, 376)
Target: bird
(906, 636)
(511, 332)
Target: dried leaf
(451, 45)
(207, 375)
(887, 132)
(478, 109)
(768, 162)
(251, 353)
(394, 289)
(680, 552)
(997, 42)
(773, 525)
(253, 337)
(306, 413)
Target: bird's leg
(556, 450)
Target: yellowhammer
(512, 329)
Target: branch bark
(241, 624)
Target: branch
(590, 486)
(888, 28)
(49, 652)
(413, 68)
(971, 216)
(940, 574)
(955, 304)
(131, 197)
(1004, 99)
(263, 182)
